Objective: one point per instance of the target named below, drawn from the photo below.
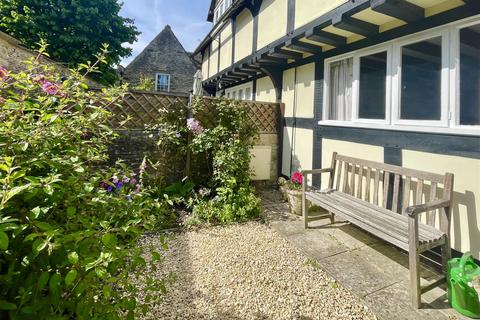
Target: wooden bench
(396, 204)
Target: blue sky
(188, 19)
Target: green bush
(69, 227)
(220, 137)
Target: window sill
(423, 129)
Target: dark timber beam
(302, 46)
(245, 72)
(233, 76)
(268, 59)
(355, 25)
(284, 54)
(325, 37)
(399, 9)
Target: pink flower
(194, 126)
(297, 177)
(50, 88)
(3, 72)
(40, 78)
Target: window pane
(248, 94)
(470, 75)
(341, 77)
(421, 80)
(163, 81)
(241, 96)
(373, 79)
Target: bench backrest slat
(394, 187)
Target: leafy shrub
(68, 226)
(220, 132)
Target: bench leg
(305, 212)
(446, 254)
(415, 289)
(332, 217)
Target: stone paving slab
(374, 270)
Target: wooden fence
(143, 109)
(140, 110)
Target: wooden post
(414, 262)
(304, 201)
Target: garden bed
(247, 271)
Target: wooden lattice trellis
(144, 109)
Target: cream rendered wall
(305, 87)
(297, 150)
(298, 91)
(226, 47)
(272, 21)
(213, 58)
(265, 90)
(288, 91)
(465, 230)
(243, 35)
(307, 10)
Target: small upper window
(470, 75)
(162, 82)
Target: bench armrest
(432, 205)
(316, 171)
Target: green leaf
(73, 257)
(4, 167)
(71, 211)
(43, 280)
(44, 226)
(16, 190)
(3, 241)
(38, 245)
(107, 291)
(70, 277)
(54, 283)
(109, 240)
(156, 256)
(5, 305)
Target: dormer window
(220, 9)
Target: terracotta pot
(295, 201)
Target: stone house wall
(164, 54)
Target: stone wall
(13, 56)
(166, 55)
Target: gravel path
(248, 272)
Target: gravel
(247, 271)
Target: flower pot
(295, 201)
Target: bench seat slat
(378, 221)
(381, 222)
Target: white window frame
(157, 75)
(234, 92)
(397, 81)
(450, 93)
(356, 86)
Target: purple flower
(50, 88)
(115, 179)
(40, 78)
(133, 181)
(194, 126)
(109, 189)
(119, 185)
(125, 179)
(178, 135)
(138, 189)
(3, 73)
